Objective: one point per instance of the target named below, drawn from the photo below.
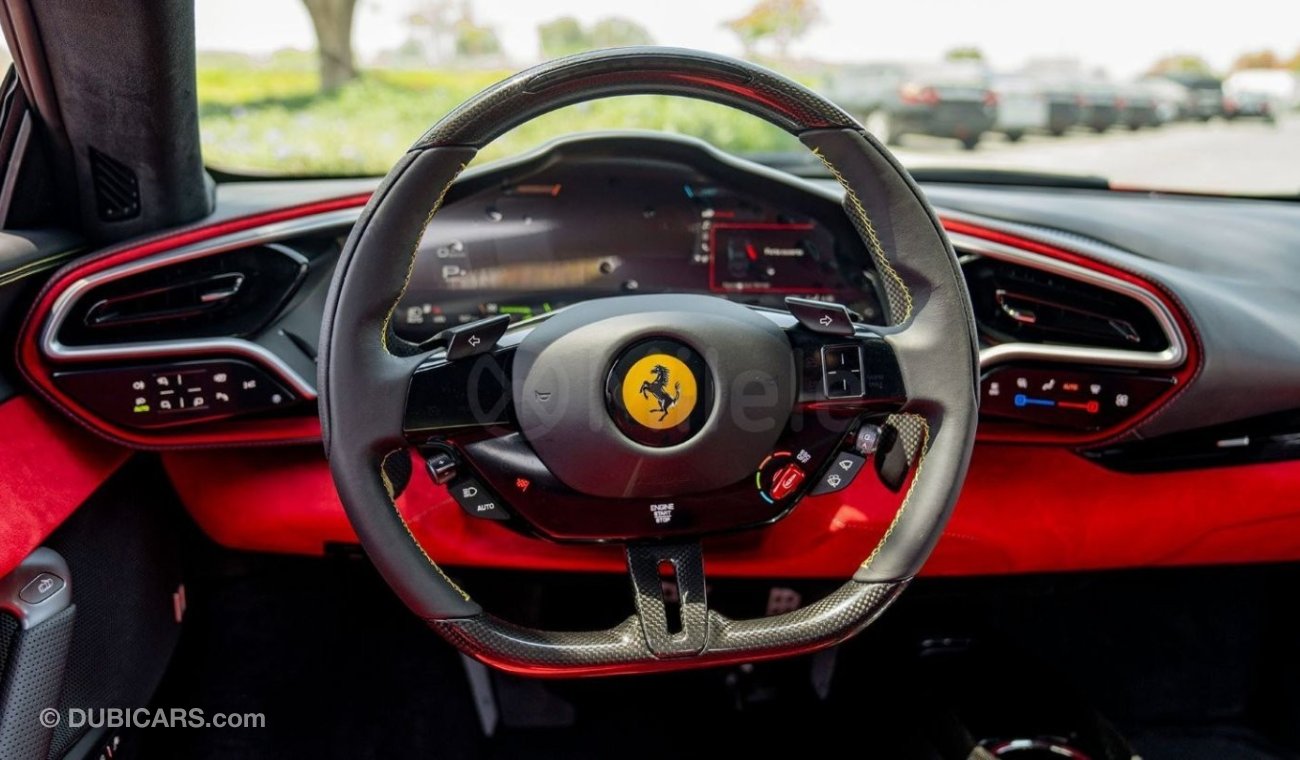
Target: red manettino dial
(786, 480)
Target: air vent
(117, 191)
(1017, 303)
(180, 301)
(226, 294)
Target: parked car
(1204, 95)
(1260, 93)
(1021, 107)
(1247, 104)
(1027, 104)
(1063, 109)
(1173, 100)
(1138, 107)
(1099, 105)
(944, 100)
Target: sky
(1122, 36)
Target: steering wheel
(650, 420)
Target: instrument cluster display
(592, 227)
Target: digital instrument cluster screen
(581, 229)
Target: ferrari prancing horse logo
(658, 388)
(659, 391)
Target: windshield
(1191, 97)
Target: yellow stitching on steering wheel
(859, 212)
(383, 339)
(410, 266)
(898, 516)
(392, 499)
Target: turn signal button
(821, 316)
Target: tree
(1257, 59)
(434, 21)
(616, 31)
(475, 40)
(565, 35)
(332, 20)
(967, 53)
(1294, 63)
(779, 21)
(561, 37)
(445, 29)
(1181, 63)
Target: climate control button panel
(161, 395)
(1070, 399)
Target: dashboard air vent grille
(1017, 303)
(231, 293)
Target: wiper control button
(841, 473)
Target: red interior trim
(39, 371)
(50, 467)
(1183, 375)
(1024, 509)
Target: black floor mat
(328, 656)
(340, 669)
(1206, 743)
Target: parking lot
(1242, 157)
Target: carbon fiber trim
(622, 649)
(634, 71)
(912, 434)
(643, 563)
(841, 614)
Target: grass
(274, 119)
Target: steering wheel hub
(589, 400)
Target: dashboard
(214, 342)
(1133, 374)
(539, 238)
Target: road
(1246, 157)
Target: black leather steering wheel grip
(365, 369)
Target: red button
(786, 480)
